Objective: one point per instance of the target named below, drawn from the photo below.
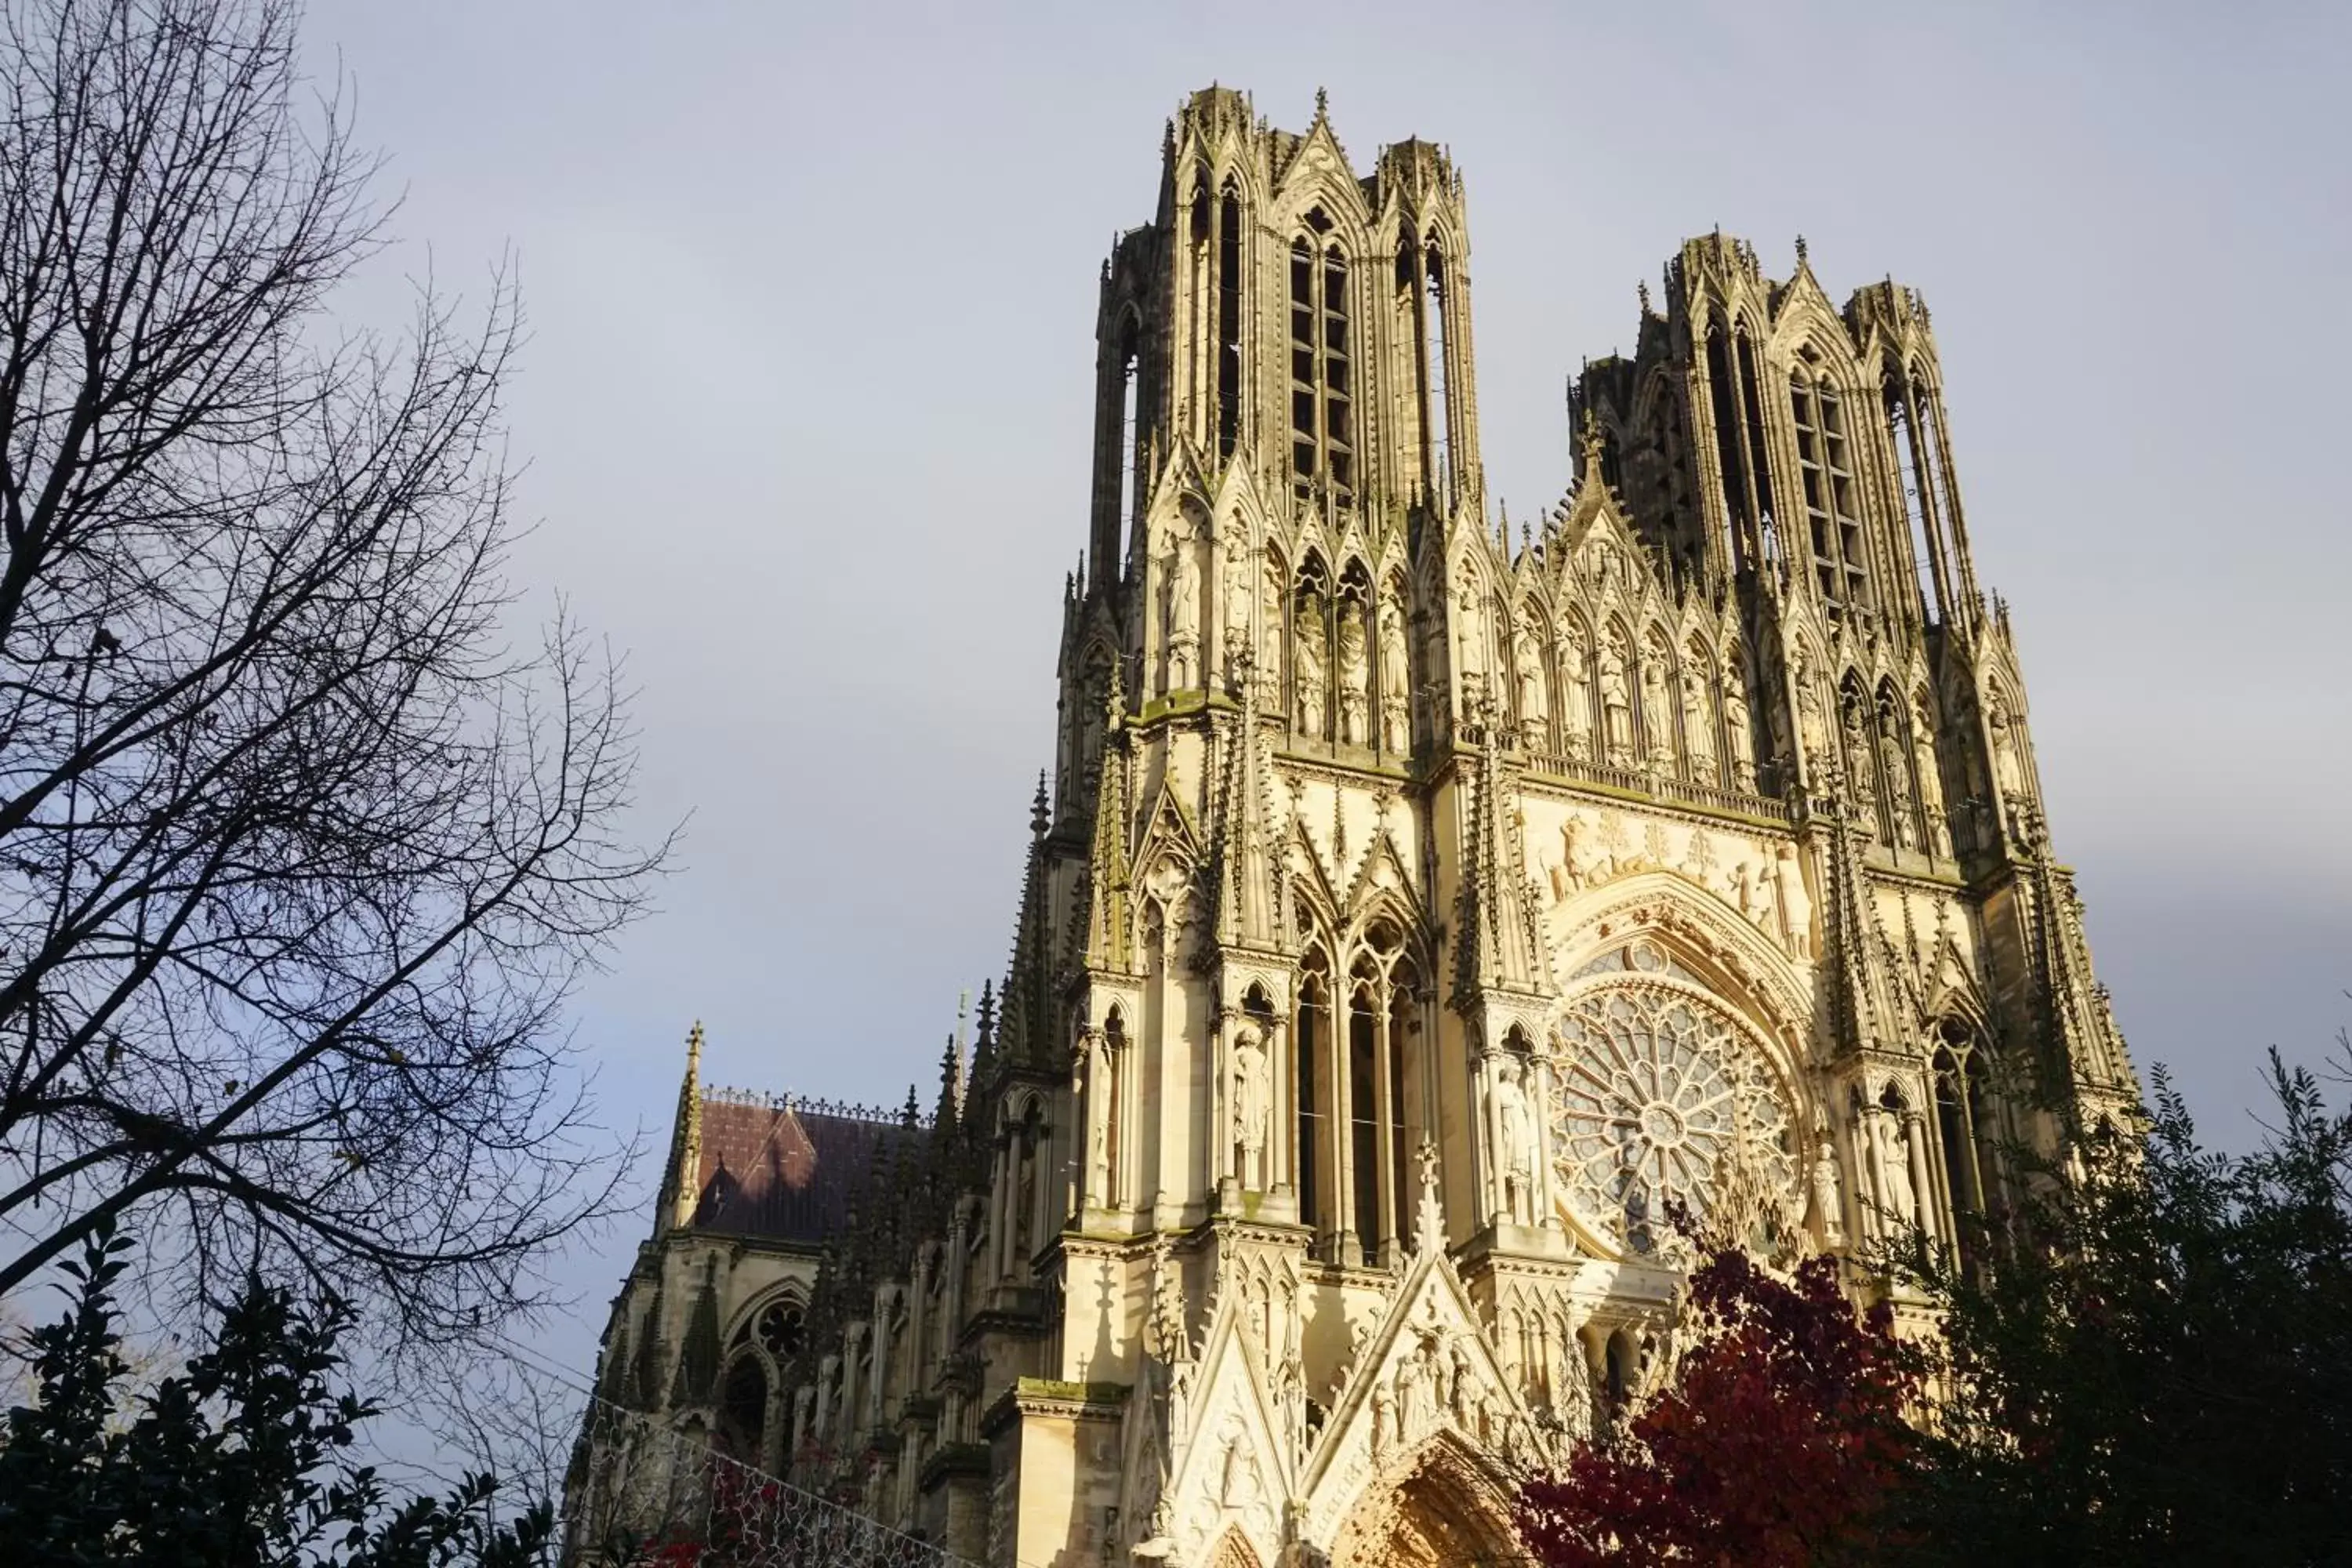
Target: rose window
(1656, 1094)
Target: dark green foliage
(2163, 1373)
(237, 1461)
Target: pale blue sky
(807, 405)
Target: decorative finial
(694, 1053)
(1429, 1230)
(1800, 250)
(1644, 288)
(1040, 812)
(1322, 104)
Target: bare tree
(299, 857)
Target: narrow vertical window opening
(1729, 452)
(1363, 1085)
(1229, 321)
(1908, 478)
(1758, 456)
(1436, 393)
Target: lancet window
(1312, 608)
(1311, 1033)
(1967, 1132)
(1825, 470)
(1322, 381)
(1927, 560)
(1358, 1095)
(1422, 278)
(1229, 319)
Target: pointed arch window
(1910, 478)
(1422, 284)
(1311, 1035)
(1825, 471)
(1322, 378)
(1229, 319)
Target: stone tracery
(1658, 1091)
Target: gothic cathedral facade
(1414, 914)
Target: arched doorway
(1440, 1509)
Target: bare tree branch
(300, 858)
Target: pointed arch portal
(1441, 1511)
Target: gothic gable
(1426, 1373)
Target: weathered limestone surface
(1413, 911)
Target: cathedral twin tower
(1415, 915)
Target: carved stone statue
(1269, 658)
(1616, 702)
(1826, 1200)
(1890, 1144)
(1859, 763)
(1892, 766)
(2007, 769)
(1167, 1338)
(1396, 682)
(1308, 661)
(1239, 1486)
(1251, 1104)
(1516, 1159)
(1812, 728)
(1470, 634)
(1575, 695)
(1534, 712)
(1737, 723)
(1931, 782)
(1796, 904)
(1464, 1383)
(1183, 610)
(1412, 1396)
(1095, 1087)
(1567, 876)
(1355, 675)
(1233, 596)
(1698, 720)
(1657, 710)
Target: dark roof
(784, 1171)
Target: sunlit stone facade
(1417, 905)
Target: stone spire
(1108, 872)
(1497, 948)
(1238, 849)
(681, 1187)
(1846, 929)
(1028, 984)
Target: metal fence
(654, 1498)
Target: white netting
(653, 1498)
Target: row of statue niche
(1314, 701)
(1669, 699)
(1767, 887)
(1313, 657)
(1879, 767)
(1889, 1152)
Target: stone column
(1923, 1192)
(1093, 1171)
(1488, 1143)
(1220, 1099)
(1539, 1114)
(1392, 1202)
(1342, 1123)
(1041, 1209)
(1281, 1096)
